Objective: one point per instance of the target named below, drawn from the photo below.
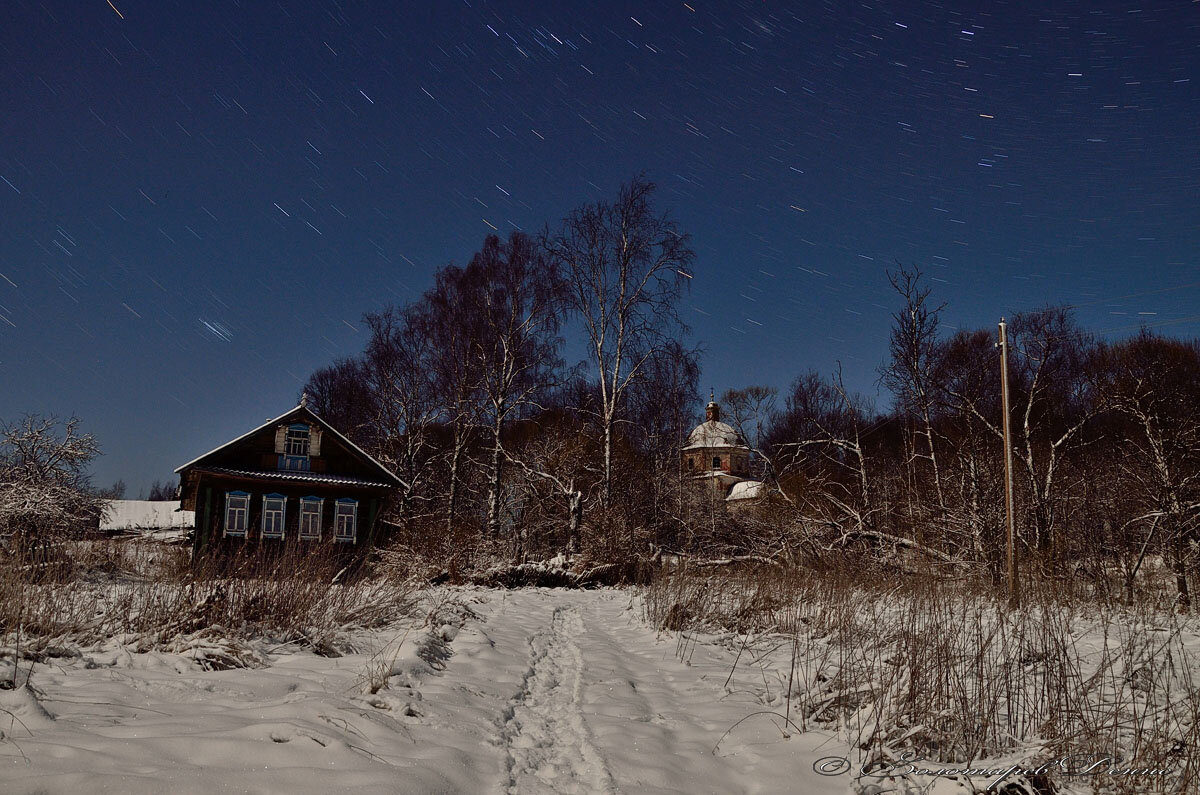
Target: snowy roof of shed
(144, 515)
(713, 433)
(745, 490)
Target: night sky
(198, 201)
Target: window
(237, 509)
(295, 450)
(691, 463)
(273, 513)
(345, 519)
(716, 462)
(296, 440)
(310, 517)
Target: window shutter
(314, 441)
(280, 439)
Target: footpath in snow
(529, 691)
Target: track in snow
(548, 744)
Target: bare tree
(1152, 383)
(751, 411)
(818, 436)
(453, 331)
(396, 369)
(518, 296)
(661, 412)
(1055, 402)
(44, 487)
(909, 373)
(162, 490)
(626, 267)
(966, 378)
(341, 394)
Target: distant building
(293, 480)
(160, 518)
(716, 454)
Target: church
(716, 455)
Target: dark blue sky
(199, 201)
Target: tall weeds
(944, 671)
(149, 596)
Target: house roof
(303, 477)
(296, 413)
(713, 433)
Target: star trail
(200, 201)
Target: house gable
(269, 448)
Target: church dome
(713, 433)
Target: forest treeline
(508, 450)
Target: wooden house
(293, 480)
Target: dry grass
(945, 671)
(148, 596)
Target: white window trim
(282, 516)
(244, 510)
(337, 525)
(305, 502)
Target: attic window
(294, 444)
(296, 441)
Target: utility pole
(1014, 588)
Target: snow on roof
(287, 474)
(121, 515)
(713, 433)
(746, 490)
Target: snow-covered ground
(527, 691)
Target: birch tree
(625, 267)
(396, 366)
(518, 296)
(1152, 382)
(1054, 403)
(453, 330)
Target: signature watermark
(909, 764)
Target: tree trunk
(494, 478)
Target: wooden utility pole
(1014, 588)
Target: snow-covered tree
(44, 488)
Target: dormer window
(296, 440)
(295, 444)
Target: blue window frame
(310, 517)
(237, 512)
(345, 520)
(273, 515)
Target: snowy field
(527, 691)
